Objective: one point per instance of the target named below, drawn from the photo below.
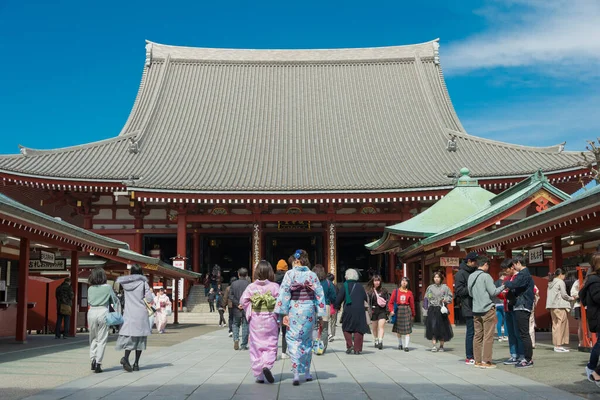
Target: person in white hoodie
(558, 302)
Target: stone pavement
(207, 367)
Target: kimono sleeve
(246, 303)
(285, 295)
(319, 296)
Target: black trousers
(522, 320)
(221, 317)
(283, 341)
(230, 321)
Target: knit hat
(282, 265)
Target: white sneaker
(434, 349)
(588, 373)
(561, 350)
(284, 356)
(230, 334)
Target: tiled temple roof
(290, 121)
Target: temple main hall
(231, 156)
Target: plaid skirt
(403, 325)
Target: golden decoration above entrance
(293, 225)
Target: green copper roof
(590, 197)
(496, 206)
(466, 199)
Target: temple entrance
(283, 245)
(352, 253)
(229, 252)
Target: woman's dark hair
(97, 277)
(263, 271)
(371, 284)
(320, 271)
(330, 276)
(555, 274)
(595, 263)
(300, 255)
(407, 282)
(437, 273)
(136, 270)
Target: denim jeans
(59, 320)
(469, 337)
(522, 324)
(594, 356)
(514, 340)
(501, 320)
(240, 319)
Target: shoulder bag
(151, 310)
(114, 318)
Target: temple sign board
(449, 261)
(536, 255)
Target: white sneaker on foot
(284, 356)
(561, 350)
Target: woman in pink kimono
(258, 302)
(302, 304)
(162, 305)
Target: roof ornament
(465, 179)
(452, 144)
(148, 54)
(436, 52)
(134, 146)
(561, 147)
(23, 150)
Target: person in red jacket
(402, 305)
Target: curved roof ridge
(557, 148)
(155, 51)
(27, 151)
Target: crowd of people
(301, 303)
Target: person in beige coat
(558, 302)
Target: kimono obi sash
(302, 291)
(263, 302)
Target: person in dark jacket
(467, 267)
(333, 318)
(282, 268)
(228, 305)
(354, 319)
(64, 301)
(589, 296)
(239, 318)
(522, 288)
(211, 299)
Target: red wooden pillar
(392, 267)
(196, 258)
(557, 258)
(75, 285)
(21, 330)
(508, 253)
(450, 283)
(151, 281)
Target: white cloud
(554, 37)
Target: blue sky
(525, 72)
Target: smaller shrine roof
(588, 199)
(464, 200)
(19, 215)
(494, 206)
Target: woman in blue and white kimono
(301, 304)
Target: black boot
(126, 366)
(136, 367)
(93, 365)
(98, 368)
